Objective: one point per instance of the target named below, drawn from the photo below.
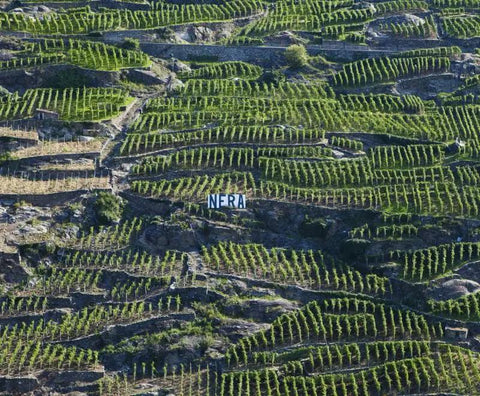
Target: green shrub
(6, 156)
(296, 56)
(131, 43)
(21, 204)
(108, 208)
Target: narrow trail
(118, 128)
(123, 118)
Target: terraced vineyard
(352, 130)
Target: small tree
(296, 56)
(108, 208)
(131, 43)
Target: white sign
(236, 201)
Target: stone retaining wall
(274, 54)
(405, 44)
(263, 55)
(60, 158)
(18, 385)
(54, 199)
(38, 76)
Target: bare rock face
(261, 310)
(406, 18)
(236, 329)
(455, 288)
(35, 10)
(467, 64)
(178, 66)
(427, 87)
(283, 38)
(470, 271)
(5, 55)
(175, 84)
(364, 5)
(42, 8)
(27, 212)
(164, 237)
(9, 43)
(201, 34)
(397, 19)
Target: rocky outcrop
(165, 236)
(236, 329)
(470, 271)
(428, 87)
(260, 310)
(11, 270)
(176, 66)
(115, 333)
(201, 34)
(455, 288)
(283, 38)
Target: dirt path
(128, 115)
(118, 128)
